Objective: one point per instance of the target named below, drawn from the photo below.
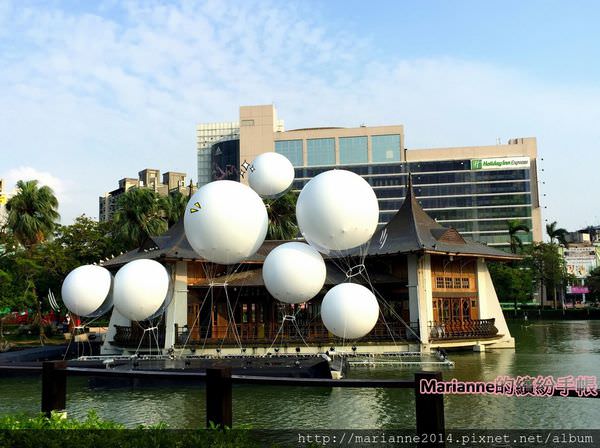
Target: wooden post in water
(54, 387)
(218, 397)
(430, 409)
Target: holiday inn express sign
(507, 163)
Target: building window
(465, 283)
(439, 282)
(448, 282)
(457, 283)
(385, 148)
(353, 150)
(320, 151)
(292, 149)
(247, 123)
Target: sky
(91, 92)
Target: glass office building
(476, 190)
(477, 203)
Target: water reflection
(546, 348)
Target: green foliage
(593, 282)
(87, 241)
(173, 207)
(514, 227)
(542, 265)
(139, 215)
(556, 234)
(93, 432)
(282, 217)
(513, 283)
(32, 213)
(56, 421)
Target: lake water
(557, 348)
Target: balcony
(462, 329)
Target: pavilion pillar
(176, 312)
(419, 293)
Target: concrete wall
(116, 318)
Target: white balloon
(349, 310)
(337, 210)
(271, 175)
(87, 291)
(225, 222)
(141, 289)
(294, 272)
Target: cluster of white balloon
(226, 222)
(141, 290)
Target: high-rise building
(475, 189)
(209, 134)
(147, 178)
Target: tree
(513, 282)
(556, 234)
(173, 207)
(282, 217)
(514, 227)
(593, 283)
(138, 217)
(548, 266)
(32, 218)
(32, 213)
(87, 241)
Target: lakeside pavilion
(432, 284)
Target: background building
(209, 134)
(148, 178)
(475, 189)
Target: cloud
(98, 94)
(25, 173)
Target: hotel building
(475, 190)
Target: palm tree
(32, 218)
(282, 217)
(32, 213)
(173, 207)
(514, 227)
(556, 234)
(138, 216)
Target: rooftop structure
(148, 178)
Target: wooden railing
(462, 329)
(257, 334)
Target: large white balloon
(294, 272)
(141, 289)
(349, 310)
(337, 210)
(225, 222)
(87, 291)
(271, 175)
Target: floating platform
(415, 359)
